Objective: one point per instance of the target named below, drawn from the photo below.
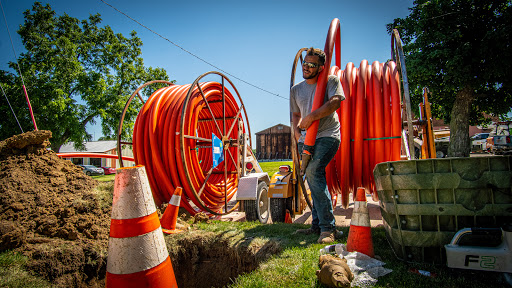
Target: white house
(104, 147)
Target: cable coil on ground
(172, 138)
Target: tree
(75, 72)
(461, 50)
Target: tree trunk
(56, 144)
(459, 124)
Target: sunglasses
(309, 64)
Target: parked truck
(500, 141)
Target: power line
(5, 95)
(192, 54)
(21, 75)
(12, 44)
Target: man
(327, 139)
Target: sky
(255, 41)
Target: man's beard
(312, 75)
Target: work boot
(338, 234)
(308, 231)
(327, 237)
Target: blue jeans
(322, 212)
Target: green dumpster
(424, 202)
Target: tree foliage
(461, 50)
(75, 72)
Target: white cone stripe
(175, 200)
(132, 194)
(135, 254)
(360, 219)
(360, 206)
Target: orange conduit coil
(370, 126)
(172, 139)
(370, 121)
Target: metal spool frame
(120, 129)
(397, 54)
(295, 152)
(226, 141)
(224, 132)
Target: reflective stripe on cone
(137, 253)
(360, 234)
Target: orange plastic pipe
(30, 108)
(92, 155)
(333, 37)
(357, 164)
(379, 111)
(344, 112)
(386, 93)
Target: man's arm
(327, 109)
(296, 120)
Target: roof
(270, 128)
(93, 147)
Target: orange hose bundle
(370, 120)
(171, 138)
(370, 126)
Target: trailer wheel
(441, 153)
(278, 209)
(258, 209)
(508, 278)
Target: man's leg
(325, 150)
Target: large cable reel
(179, 132)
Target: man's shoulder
(301, 83)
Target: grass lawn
(273, 167)
(105, 178)
(295, 266)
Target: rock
(201, 217)
(334, 271)
(11, 235)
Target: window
(95, 161)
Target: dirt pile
(49, 212)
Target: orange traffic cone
(137, 254)
(360, 234)
(288, 218)
(170, 216)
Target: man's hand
(297, 134)
(305, 122)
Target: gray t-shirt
(301, 100)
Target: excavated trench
(207, 259)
